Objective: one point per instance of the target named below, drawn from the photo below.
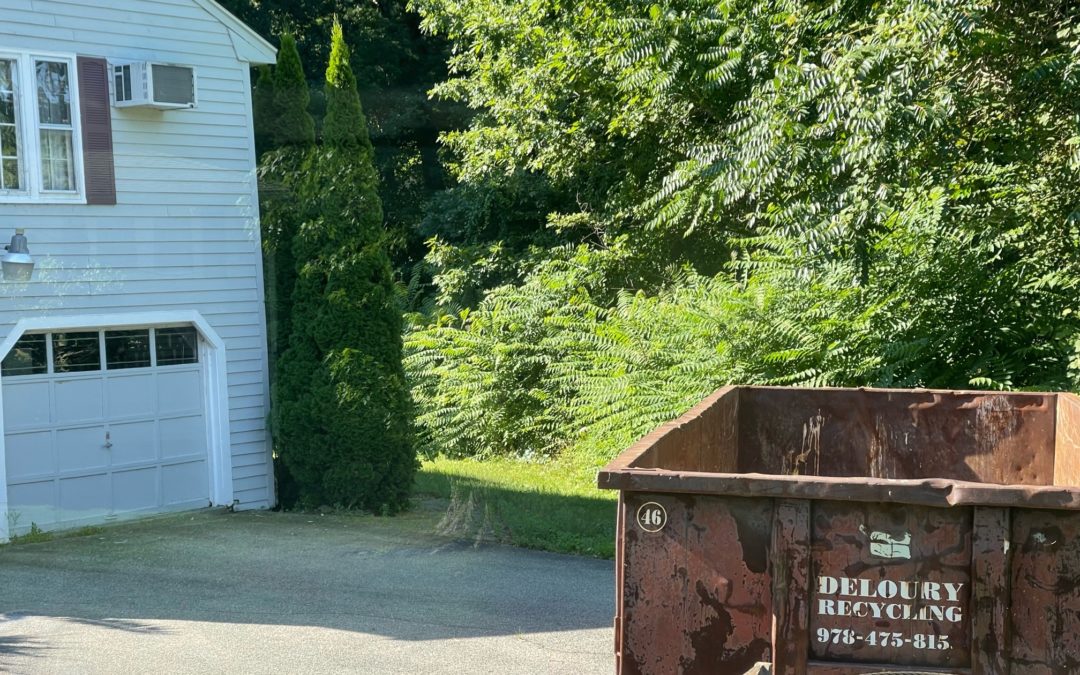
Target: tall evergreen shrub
(282, 121)
(294, 125)
(343, 412)
(281, 115)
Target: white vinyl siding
(184, 234)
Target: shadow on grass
(487, 511)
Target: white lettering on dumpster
(651, 517)
(888, 599)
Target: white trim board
(249, 46)
(215, 385)
(260, 286)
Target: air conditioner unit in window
(146, 84)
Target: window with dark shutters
(98, 168)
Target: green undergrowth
(36, 535)
(552, 506)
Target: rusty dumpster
(844, 531)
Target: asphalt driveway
(261, 592)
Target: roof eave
(250, 47)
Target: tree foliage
(282, 121)
(792, 192)
(344, 126)
(342, 412)
(292, 124)
(396, 65)
(384, 37)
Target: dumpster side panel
(697, 591)
(991, 438)
(1067, 441)
(1045, 592)
(991, 555)
(791, 586)
(703, 439)
(852, 532)
(891, 584)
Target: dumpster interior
(986, 437)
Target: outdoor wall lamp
(17, 263)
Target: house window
(9, 128)
(39, 130)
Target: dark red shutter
(94, 103)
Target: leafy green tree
(343, 412)
(866, 193)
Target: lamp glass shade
(17, 267)
(16, 261)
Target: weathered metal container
(837, 531)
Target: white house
(134, 376)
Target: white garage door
(102, 424)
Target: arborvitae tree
(281, 103)
(343, 412)
(344, 125)
(294, 125)
(264, 111)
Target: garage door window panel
(176, 346)
(127, 349)
(29, 356)
(76, 352)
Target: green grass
(552, 506)
(36, 535)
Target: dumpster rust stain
(1046, 591)
(808, 460)
(701, 587)
(706, 656)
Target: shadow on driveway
(17, 645)
(389, 577)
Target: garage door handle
(108, 441)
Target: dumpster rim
(939, 492)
